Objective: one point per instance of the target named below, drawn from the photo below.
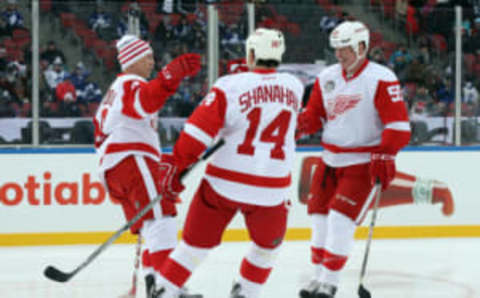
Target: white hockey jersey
(355, 111)
(123, 126)
(255, 113)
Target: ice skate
(316, 289)
(162, 293)
(236, 291)
(149, 283)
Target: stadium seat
(477, 69)
(388, 8)
(45, 5)
(67, 19)
(21, 37)
(469, 60)
(439, 43)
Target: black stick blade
(56, 275)
(363, 293)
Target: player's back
(259, 128)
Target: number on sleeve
(395, 93)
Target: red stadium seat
(45, 5)
(21, 37)
(67, 19)
(469, 60)
(439, 43)
(477, 69)
(389, 8)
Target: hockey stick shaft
(377, 189)
(60, 276)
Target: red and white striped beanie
(131, 49)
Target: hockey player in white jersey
(128, 145)
(360, 108)
(255, 113)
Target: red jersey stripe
(253, 180)
(122, 147)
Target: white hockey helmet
(267, 44)
(350, 33)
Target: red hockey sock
(146, 261)
(175, 272)
(158, 258)
(330, 260)
(254, 273)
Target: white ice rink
(436, 268)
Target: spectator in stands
(12, 17)
(377, 55)
(3, 58)
(423, 101)
(51, 53)
(399, 61)
(163, 31)
(444, 92)
(4, 31)
(328, 22)
(90, 93)
(55, 74)
(415, 71)
(472, 42)
(79, 75)
(101, 22)
(183, 31)
(135, 11)
(67, 99)
(470, 94)
(7, 85)
(86, 91)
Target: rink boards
(53, 196)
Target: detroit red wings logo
(341, 104)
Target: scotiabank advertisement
(61, 193)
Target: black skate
(235, 292)
(183, 294)
(316, 289)
(149, 283)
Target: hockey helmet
(268, 44)
(350, 33)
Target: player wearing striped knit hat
(128, 145)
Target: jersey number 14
(274, 133)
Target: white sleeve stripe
(198, 134)
(400, 125)
(138, 106)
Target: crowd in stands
(426, 66)
(424, 63)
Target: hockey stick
(132, 293)
(55, 274)
(362, 291)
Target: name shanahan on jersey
(123, 125)
(255, 113)
(355, 111)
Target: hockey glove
(183, 66)
(170, 183)
(382, 166)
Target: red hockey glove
(183, 66)
(383, 167)
(170, 183)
